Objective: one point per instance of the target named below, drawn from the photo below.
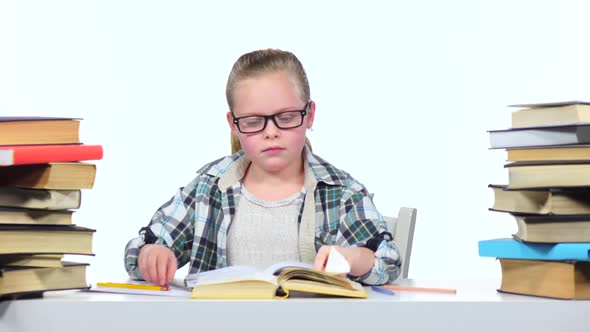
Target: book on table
(547, 153)
(20, 281)
(548, 174)
(555, 279)
(514, 249)
(539, 136)
(42, 154)
(31, 260)
(35, 217)
(45, 239)
(17, 130)
(65, 176)
(277, 281)
(557, 113)
(541, 201)
(553, 229)
(41, 199)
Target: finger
(163, 262)
(141, 264)
(145, 269)
(151, 267)
(321, 258)
(171, 268)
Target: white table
(476, 307)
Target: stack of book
(548, 193)
(41, 177)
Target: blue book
(513, 249)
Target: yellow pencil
(133, 286)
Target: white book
(540, 136)
(44, 199)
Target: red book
(42, 154)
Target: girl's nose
(271, 130)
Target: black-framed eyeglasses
(284, 120)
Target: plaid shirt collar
(231, 169)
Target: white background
(405, 92)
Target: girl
(272, 200)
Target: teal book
(513, 249)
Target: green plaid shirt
(195, 222)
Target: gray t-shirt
(263, 233)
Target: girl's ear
(230, 121)
(310, 115)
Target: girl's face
(272, 149)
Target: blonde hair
(263, 62)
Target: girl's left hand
(321, 258)
(360, 259)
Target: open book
(276, 281)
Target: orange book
(42, 154)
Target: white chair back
(402, 229)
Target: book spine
(535, 251)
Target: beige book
(553, 229)
(555, 279)
(564, 152)
(548, 174)
(29, 281)
(31, 260)
(44, 199)
(35, 217)
(551, 114)
(552, 201)
(46, 239)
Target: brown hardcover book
(548, 174)
(64, 176)
(553, 229)
(38, 130)
(35, 217)
(555, 279)
(47, 239)
(42, 199)
(546, 114)
(16, 281)
(545, 201)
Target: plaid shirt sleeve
(360, 221)
(172, 224)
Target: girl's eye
(252, 122)
(286, 118)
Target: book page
(228, 274)
(336, 263)
(242, 272)
(275, 269)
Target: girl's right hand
(157, 264)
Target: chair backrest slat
(402, 229)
